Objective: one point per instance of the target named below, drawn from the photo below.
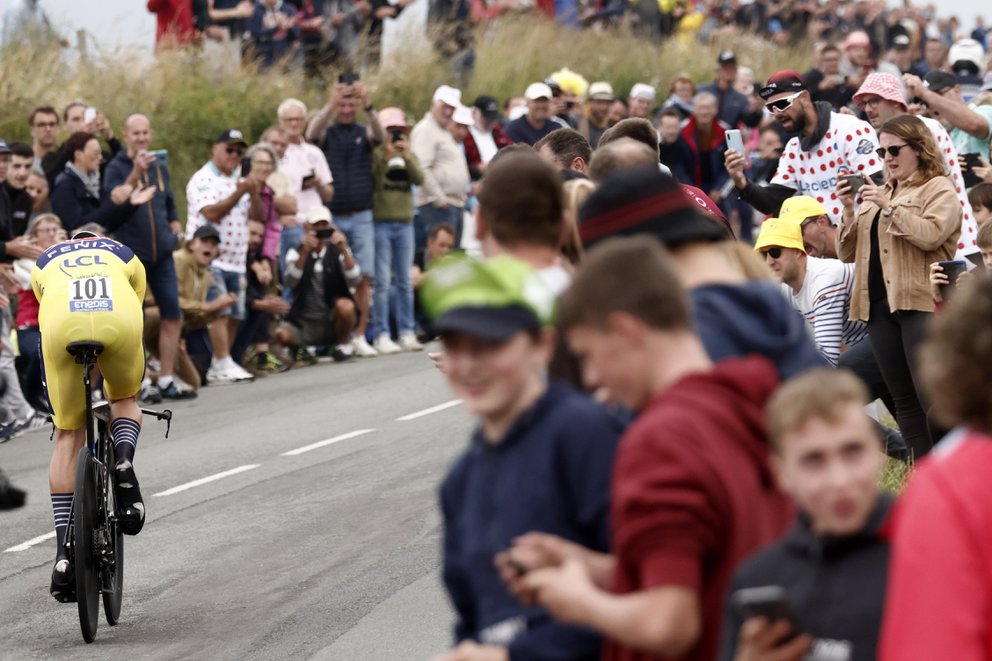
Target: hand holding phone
(952, 270)
(735, 141)
(855, 181)
(770, 602)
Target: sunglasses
(893, 151)
(235, 150)
(782, 105)
(774, 253)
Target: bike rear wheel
(113, 574)
(84, 527)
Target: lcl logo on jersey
(83, 261)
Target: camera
(396, 165)
(397, 133)
(348, 78)
(325, 234)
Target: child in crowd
(939, 278)
(980, 198)
(832, 564)
(540, 458)
(692, 491)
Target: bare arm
(955, 112)
(218, 210)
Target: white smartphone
(734, 141)
(89, 115)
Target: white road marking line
(433, 409)
(205, 480)
(330, 441)
(31, 542)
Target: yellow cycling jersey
(89, 290)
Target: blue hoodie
(550, 473)
(754, 318)
(146, 231)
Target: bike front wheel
(84, 531)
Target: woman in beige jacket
(899, 229)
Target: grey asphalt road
(330, 553)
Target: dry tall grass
(189, 105)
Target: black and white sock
(125, 432)
(62, 508)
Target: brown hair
(77, 142)
(509, 150)
(634, 128)
(621, 154)
(984, 238)
(682, 78)
(521, 201)
(635, 275)
(566, 145)
(42, 110)
(955, 358)
(979, 196)
(918, 137)
(816, 394)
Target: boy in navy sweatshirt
(540, 458)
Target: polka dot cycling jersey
(848, 147)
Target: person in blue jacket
(275, 31)
(540, 458)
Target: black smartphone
(968, 163)
(397, 133)
(348, 78)
(769, 601)
(952, 269)
(325, 234)
(310, 177)
(855, 181)
(245, 166)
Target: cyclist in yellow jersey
(91, 289)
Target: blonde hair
(42, 218)
(816, 394)
(575, 193)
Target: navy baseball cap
(786, 80)
(207, 232)
(231, 137)
(4, 147)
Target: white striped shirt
(825, 301)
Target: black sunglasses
(774, 253)
(893, 151)
(235, 150)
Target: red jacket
(693, 494)
(939, 600)
(175, 18)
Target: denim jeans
(429, 216)
(393, 260)
(32, 374)
(361, 239)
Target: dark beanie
(645, 201)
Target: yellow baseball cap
(781, 233)
(801, 207)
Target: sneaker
(130, 507)
(408, 342)
(273, 364)
(217, 376)
(150, 394)
(176, 390)
(301, 357)
(9, 431)
(63, 582)
(34, 422)
(341, 356)
(385, 345)
(362, 347)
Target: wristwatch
(887, 211)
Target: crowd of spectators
(686, 466)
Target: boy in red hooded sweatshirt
(692, 494)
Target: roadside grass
(189, 105)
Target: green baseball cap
(491, 299)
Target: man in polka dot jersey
(827, 145)
(882, 98)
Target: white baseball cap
(600, 91)
(537, 91)
(642, 91)
(463, 115)
(318, 214)
(448, 95)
